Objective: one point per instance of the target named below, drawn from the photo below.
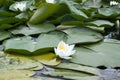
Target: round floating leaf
(25, 78)
(43, 12)
(23, 45)
(47, 59)
(110, 11)
(27, 46)
(49, 78)
(93, 4)
(78, 67)
(103, 23)
(73, 9)
(15, 62)
(33, 29)
(101, 54)
(9, 75)
(72, 75)
(23, 62)
(6, 13)
(9, 20)
(50, 40)
(4, 35)
(82, 35)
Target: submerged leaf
(9, 75)
(22, 62)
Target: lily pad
(4, 35)
(24, 45)
(33, 29)
(101, 23)
(9, 75)
(43, 12)
(47, 59)
(25, 78)
(78, 67)
(106, 54)
(82, 35)
(18, 62)
(71, 75)
(73, 9)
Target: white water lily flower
(50, 1)
(20, 6)
(64, 50)
(113, 3)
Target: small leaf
(4, 35)
(47, 59)
(9, 20)
(93, 3)
(5, 26)
(100, 23)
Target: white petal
(56, 52)
(62, 46)
(61, 43)
(71, 47)
(50, 1)
(62, 53)
(73, 52)
(113, 3)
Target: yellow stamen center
(62, 47)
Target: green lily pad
(72, 75)
(78, 67)
(82, 35)
(4, 35)
(6, 13)
(110, 11)
(93, 4)
(9, 20)
(73, 9)
(101, 23)
(47, 59)
(49, 78)
(9, 75)
(43, 12)
(25, 78)
(18, 62)
(33, 29)
(101, 54)
(24, 45)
